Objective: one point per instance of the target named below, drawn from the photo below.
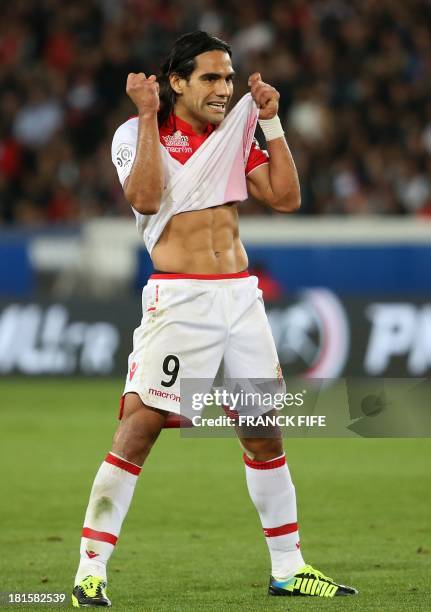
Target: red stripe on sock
(123, 464)
(100, 536)
(272, 532)
(265, 465)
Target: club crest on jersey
(177, 143)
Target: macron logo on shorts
(164, 394)
(133, 369)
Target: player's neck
(198, 126)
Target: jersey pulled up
(180, 142)
(178, 138)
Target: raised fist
(265, 96)
(143, 92)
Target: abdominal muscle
(201, 242)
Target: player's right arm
(143, 187)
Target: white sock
(109, 502)
(272, 491)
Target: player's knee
(262, 449)
(138, 430)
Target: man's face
(205, 96)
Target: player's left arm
(276, 184)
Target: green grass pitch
(192, 540)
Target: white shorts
(190, 324)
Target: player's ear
(177, 83)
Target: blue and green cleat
(308, 582)
(90, 593)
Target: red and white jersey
(200, 170)
(178, 138)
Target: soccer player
(201, 306)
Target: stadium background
(347, 283)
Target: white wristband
(271, 128)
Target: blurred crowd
(354, 79)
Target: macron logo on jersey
(177, 143)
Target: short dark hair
(181, 61)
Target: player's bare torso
(201, 242)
